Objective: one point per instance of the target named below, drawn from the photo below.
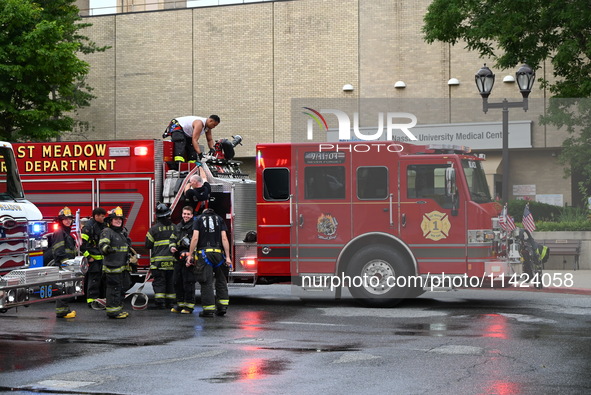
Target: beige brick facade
(247, 62)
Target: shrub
(540, 211)
(573, 226)
(549, 218)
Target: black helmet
(65, 213)
(251, 237)
(227, 148)
(162, 210)
(117, 212)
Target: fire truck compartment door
(322, 215)
(437, 239)
(50, 195)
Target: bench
(564, 248)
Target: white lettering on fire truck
(361, 147)
(63, 151)
(66, 151)
(78, 152)
(70, 165)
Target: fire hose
(139, 300)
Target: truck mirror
(451, 189)
(450, 181)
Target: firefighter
(197, 192)
(63, 248)
(91, 233)
(162, 261)
(185, 133)
(212, 260)
(183, 276)
(115, 247)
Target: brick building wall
(247, 63)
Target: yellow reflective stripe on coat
(120, 269)
(95, 257)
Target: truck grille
(13, 243)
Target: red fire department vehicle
(23, 280)
(360, 213)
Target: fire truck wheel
(377, 274)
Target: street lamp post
(485, 79)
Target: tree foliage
(42, 80)
(535, 31)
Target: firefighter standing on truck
(162, 261)
(183, 276)
(115, 246)
(210, 242)
(63, 248)
(91, 234)
(185, 133)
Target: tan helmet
(117, 212)
(65, 213)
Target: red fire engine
(364, 213)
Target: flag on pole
(506, 221)
(528, 219)
(77, 231)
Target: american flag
(76, 230)
(528, 219)
(506, 221)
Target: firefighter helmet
(65, 213)
(117, 212)
(162, 210)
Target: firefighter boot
(121, 315)
(187, 310)
(221, 311)
(175, 309)
(70, 314)
(206, 313)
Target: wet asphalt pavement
(467, 341)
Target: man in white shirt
(185, 133)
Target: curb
(572, 291)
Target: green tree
(42, 80)
(512, 31)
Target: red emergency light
(140, 151)
(249, 263)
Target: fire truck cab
(23, 279)
(372, 210)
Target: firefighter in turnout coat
(63, 247)
(212, 260)
(90, 234)
(115, 246)
(183, 276)
(162, 261)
